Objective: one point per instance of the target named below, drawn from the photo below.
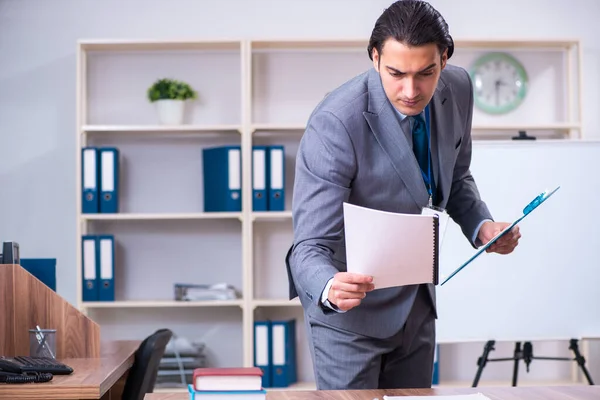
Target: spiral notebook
(396, 249)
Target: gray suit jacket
(354, 150)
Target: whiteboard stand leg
(580, 360)
(518, 354)
(526, 354)
(481, 361)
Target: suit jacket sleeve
(325, 167)
(464, 203)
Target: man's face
(409, 74)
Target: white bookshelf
(251, 92)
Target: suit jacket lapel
(384, 123)
(442, 137)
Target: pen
(42, 340)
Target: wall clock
(499, 83)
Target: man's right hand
(348, 289)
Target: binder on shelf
(283, 342)
(89, 261)
(222, 175)
(109, 180)
(106, 267)
(89, 180)
(276, 179)
(259, 178)
(262, 350)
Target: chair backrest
(142, 375)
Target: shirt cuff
(476, 233)
(325, 300)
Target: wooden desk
(498, 393)
(92, 378)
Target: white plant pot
(170, 112)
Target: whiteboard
(549, 287)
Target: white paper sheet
(396, 249)
(474, 396)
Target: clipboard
(526, 211)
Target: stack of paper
(475, 396)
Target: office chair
(142, 375)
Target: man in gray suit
(363, 145)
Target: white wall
(37, 84)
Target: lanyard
(427, 177)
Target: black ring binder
(436, 246)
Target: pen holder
(42, 343)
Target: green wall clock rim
(504, 56)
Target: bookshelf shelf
(516, 43)
(527, 127)
(276, 303)
(161, 216)
(277, 127)
(90, 45)
(285, 128)
(160, 304)
(271, 215)
(170, 390)
(161, 128)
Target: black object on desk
(27, 364)
(10, 253)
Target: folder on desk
(259, 178)
(89, 261)
(283, 348)
(262, 350)
(89, 180)
(109, 182)
(276, 181)
(106, 267)
(222, 175)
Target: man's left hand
(506, 244)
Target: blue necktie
(420, 142)
(421, 149)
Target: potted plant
(170, 95)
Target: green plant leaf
(171, 89)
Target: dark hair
(414, 23)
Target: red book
(227, 379)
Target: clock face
(499, 83)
